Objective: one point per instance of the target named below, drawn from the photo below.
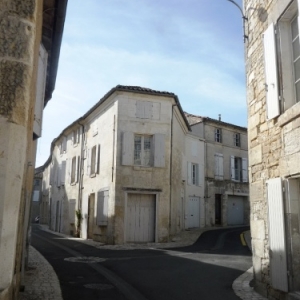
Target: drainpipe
(80, 181)
(170, 175)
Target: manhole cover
(99, 286)
(85, 259)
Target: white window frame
(218, 135)
(193, 171)
(94, 161)
(237, 139)
(279, 69)
(144, 161)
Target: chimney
(219, 117)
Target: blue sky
(193, 48)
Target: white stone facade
(226, 171)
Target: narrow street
(203, 271)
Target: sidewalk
(41, 282)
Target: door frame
(156, 210)
(88, 215)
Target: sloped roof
(120, 88)
(195, 119)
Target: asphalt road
(202, 271)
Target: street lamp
(243, 16)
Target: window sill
(289, 115)
(142, 168)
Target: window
(282, 63)
(237, 139)
(219, 173)
(76, 137)
(102, 208)
(218, 135)
(74, 169)
(93, 160)
(193, 174)
(63, 145)
(142, 150)
(239, 169)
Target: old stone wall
(20, 32)
(273, 146)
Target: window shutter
(97, 159)
(232, 167)
(189, 173)
(278, 257)
(271, 73)
(72, 208)
(58, 175)
(40, 91)
(77, 164)
(63, 172)
(70, 170)
(127, 149)
(148, 110)
(51, 175)
(88, 162)
(139, 109)
(159, 150)
(64, 145)
(219, 172)
(197, 175)
(102, 208)
(245, 169)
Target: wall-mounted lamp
(243, 16)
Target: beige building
(125, 166)
(30, 34)
(226, 171)
(272, 65)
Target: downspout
(205, 174)
(80, 181)
(170, 175)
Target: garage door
(235, 210)
(140, 218)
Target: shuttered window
(219, 171)
(40, 91)
(102, 208)
(271, 75)
(193, 173)
(144, 110)
(63, 172)
(159, 150)
(277, 247)
(94, 160)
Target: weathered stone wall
(20, 32)
(273, 144)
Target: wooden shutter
(70, 170)
(127, 149)
(271, 74)
(40, 91)
(189, 173)
(197, 174)
(63, 172)
(232, 170)
(77, 168)
(159, 150)
(97, 159)
(88, 162)
(72, 208)
(219, 172)
(277, 243)
(58, 175)
(64, 145)
(139, 109)
(148, 110)
(102, 208)
(217, 166)
(51, 175)
(245, 169)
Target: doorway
(218, 209)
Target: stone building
(126, 167)
(30, 35)
(226, 170)
(272, 66)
